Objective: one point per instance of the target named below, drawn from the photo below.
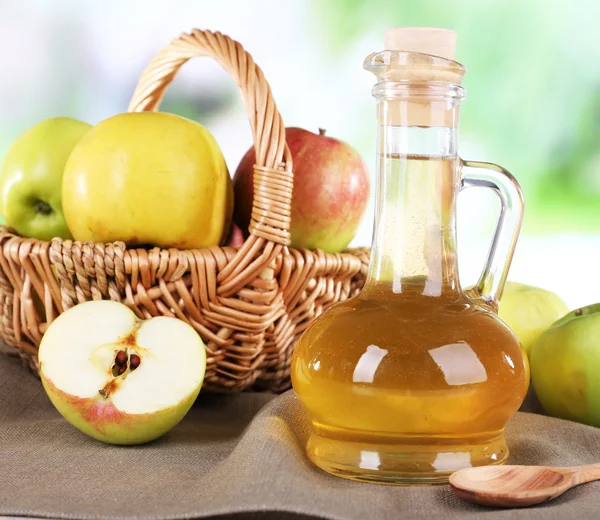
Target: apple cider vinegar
(416, 377)
(411, 368)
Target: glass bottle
(416, 377)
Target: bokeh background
(533, 95)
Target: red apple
(236, 236)
(331, 191)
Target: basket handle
(273, 178)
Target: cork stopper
(425, 40)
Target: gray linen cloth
(237, 456)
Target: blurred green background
(533, 95)
(533, 90)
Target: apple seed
(122, 369)
(134, 361)
(121, 358)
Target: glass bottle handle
(488, 175)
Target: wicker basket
(249, 305)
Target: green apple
(148, 178)
(529, 310)
(565, 366)
(31, 177)
(116, 378)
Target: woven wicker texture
(249, 305)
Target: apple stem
(108, 389)
(322, 131)
(42, 207)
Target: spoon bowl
(518, 486)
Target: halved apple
(116, 378)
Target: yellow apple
(116, 378)
(529, 311)
(148, 178)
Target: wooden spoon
(518, 486)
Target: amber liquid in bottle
(413, 378)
